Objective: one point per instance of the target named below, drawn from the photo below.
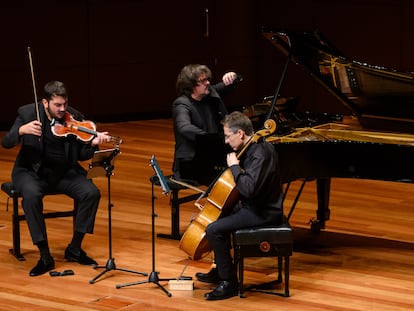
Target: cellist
(46, 162)
(257, 178)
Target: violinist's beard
(56, 117)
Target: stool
(269, 241)
(175, 202)
(9, 189)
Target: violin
(85, 130)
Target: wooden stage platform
(364, 260)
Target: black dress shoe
(224, 290)
(79, 256)
(43, 266)
(210, 277)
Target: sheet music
(102, 162)
(161, 177)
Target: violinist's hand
(232, 159)
(229, 77)
(101, 137)
(32, 128)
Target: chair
(9, 189)
(269, 241)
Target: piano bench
(268, 241)
(175, 202)
(12, 193)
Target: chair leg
(279, 268)
(16, 231)
(241, 277)
(287, 263)
(175, 216)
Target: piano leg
(323, 187)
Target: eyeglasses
(203, 81)
(227, 137)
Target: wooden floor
(364, 260)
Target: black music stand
(102, 164)
(153, 278)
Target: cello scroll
(269, 128)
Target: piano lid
(381, 98)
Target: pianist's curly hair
(187, 78)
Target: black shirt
(258, 180)
(54, 162)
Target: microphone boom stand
(104, 159)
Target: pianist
(197, 111)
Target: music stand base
(110, 265)
(102, 164)
(153, 278)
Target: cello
(221, 198)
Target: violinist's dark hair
(54, 88)
(188, 77)
(238, 121)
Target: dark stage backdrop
(120, 58)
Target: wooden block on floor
(180, 285)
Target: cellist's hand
(32, 128)
(232, 159)
(101, 137)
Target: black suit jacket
(29, 157)
(189, 123)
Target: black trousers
(73, 184)
(218, 234)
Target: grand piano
(375, 141)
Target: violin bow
(33, 82)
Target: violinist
(47, 162)
(257, 179)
